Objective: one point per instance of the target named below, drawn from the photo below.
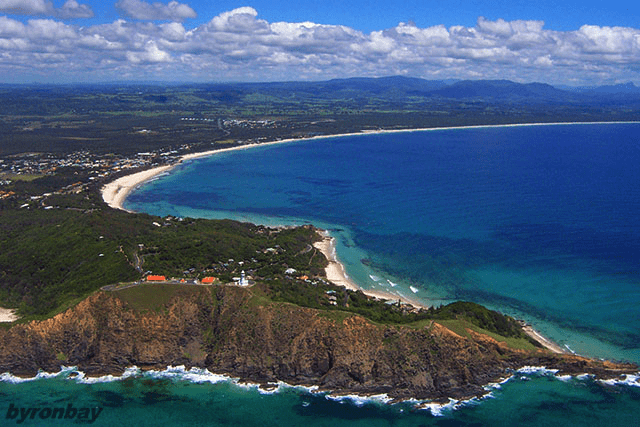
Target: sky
(575, 43)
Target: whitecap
(375, 278)
(81, 377)
(414, 290)
(12, 379)
(393, 285)
(439, 409)
(497, 385)
(540, 370)
(629, 380)
(41, 375)
(194, 375)
(360, 400)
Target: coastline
(336, 273)
(116, 192)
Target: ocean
(539, 222)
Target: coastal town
(115, 176)
(300, 213)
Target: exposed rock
(225, 330)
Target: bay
(536, 221)
(539, 222)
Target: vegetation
(317, 296)
(60, 248)
(126, 119)
(53, 258)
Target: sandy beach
(7, 315)
(115, 193)
(549, 345)
(336, 273)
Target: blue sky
(569, 42)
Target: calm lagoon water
(540, 222)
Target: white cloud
(70, 9)
(238, 45)
(173, 11)
(45, 30)
(27, 7)
(150, 54)
(11, 28)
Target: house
(156, 278)
(208, 280)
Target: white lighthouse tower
(243, 280)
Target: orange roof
(156, 278)
(208, 280)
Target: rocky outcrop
(233, 331)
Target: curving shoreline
(336, 273)
(116, 192)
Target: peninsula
(295, 327)
(63, 182)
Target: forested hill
(359, 93)
(140, 117)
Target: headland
(116, 192)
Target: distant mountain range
(397, 89)
(401, 89)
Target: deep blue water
(539, 222)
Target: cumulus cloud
(71, 8)
(173, 11)
(239, 45)
(27, 7)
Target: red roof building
(156, 278)
(207, 280)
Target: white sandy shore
(7, 315)
(336, 273)
(115, 193)
(549, 345)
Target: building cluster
(90, 167)
(96, 164)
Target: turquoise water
(539, 222)
(197, 398)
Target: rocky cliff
(234, 331)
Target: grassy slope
(458, 317)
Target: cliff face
(230, 331)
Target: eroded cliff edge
(238, 332)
